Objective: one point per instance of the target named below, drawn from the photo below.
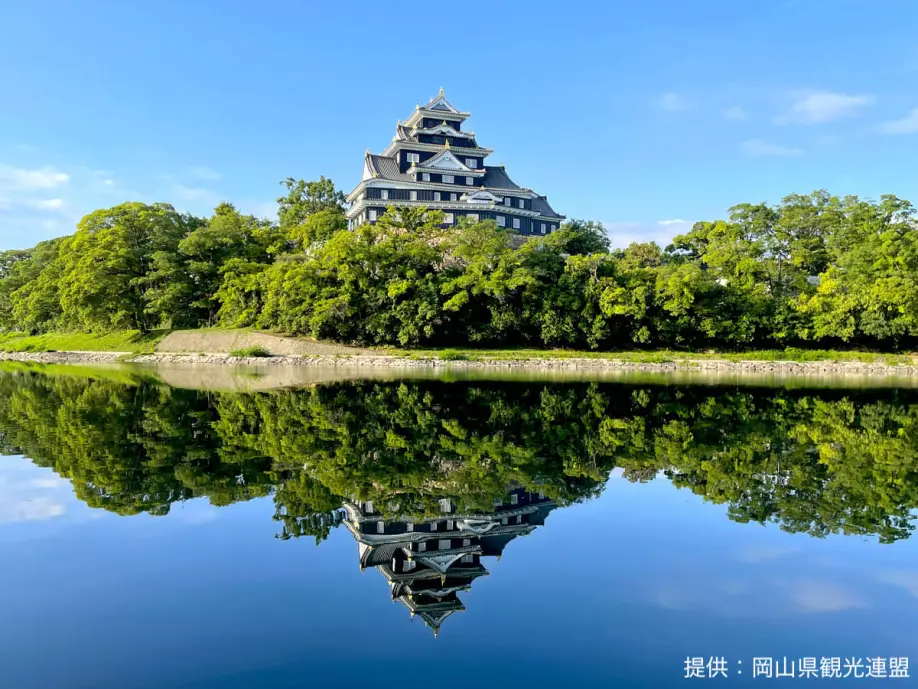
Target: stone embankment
(792, 368)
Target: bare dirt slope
(226, 341)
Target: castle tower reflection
(428, 562)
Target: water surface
(451, 533)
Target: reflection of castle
(427, 562)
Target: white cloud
(817, 107)
(260, 209)
(673, 102)
(735, 112)
(43, 204)
(907, 125)
(760, 147)
(204, 172)
(21, 179)
(39, 203)
(623, 233)
(186, 193)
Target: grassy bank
(216, 340)
(658, 356)
(132, 341)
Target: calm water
(450, 534)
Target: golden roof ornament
(441, 92)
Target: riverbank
(420, 361)
(224, 347)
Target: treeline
(813, 270)
(832, 462)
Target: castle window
(454, 197)
(522, 203)
(514, 499)
(413, 195)
(507, 200)
(413, 157)
(469, 181)
(444, 544)
(448, 218)
(448, 179)
(544, 227)
(436, 196)
(501, 221)
(384, 194)
(468, 559)
(380, 527)
(471, 162)
(425, 176)
(473, 217)
(433, 526)
(449, 524)
(410, 526)
(516, 223)
(371, 215)
(422, 546)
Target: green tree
(303, 199)
(106, 265)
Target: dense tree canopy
(815, 269)
(817, 463)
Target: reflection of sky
(614, 592)
(36, 502)
(30, 493)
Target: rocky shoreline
(793, 368)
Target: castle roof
(383, 167)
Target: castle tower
(433, 163)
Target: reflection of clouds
(901, 577)
(28, 510)
(726, 597)
(755, 554)
(54, 482)
(756, 597)
(30, 493)
(813, 595)
(194, 512)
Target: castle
(433, 163)
(428, 562)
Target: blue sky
(637, 114)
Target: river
(453, 532)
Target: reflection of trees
(813, 462)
